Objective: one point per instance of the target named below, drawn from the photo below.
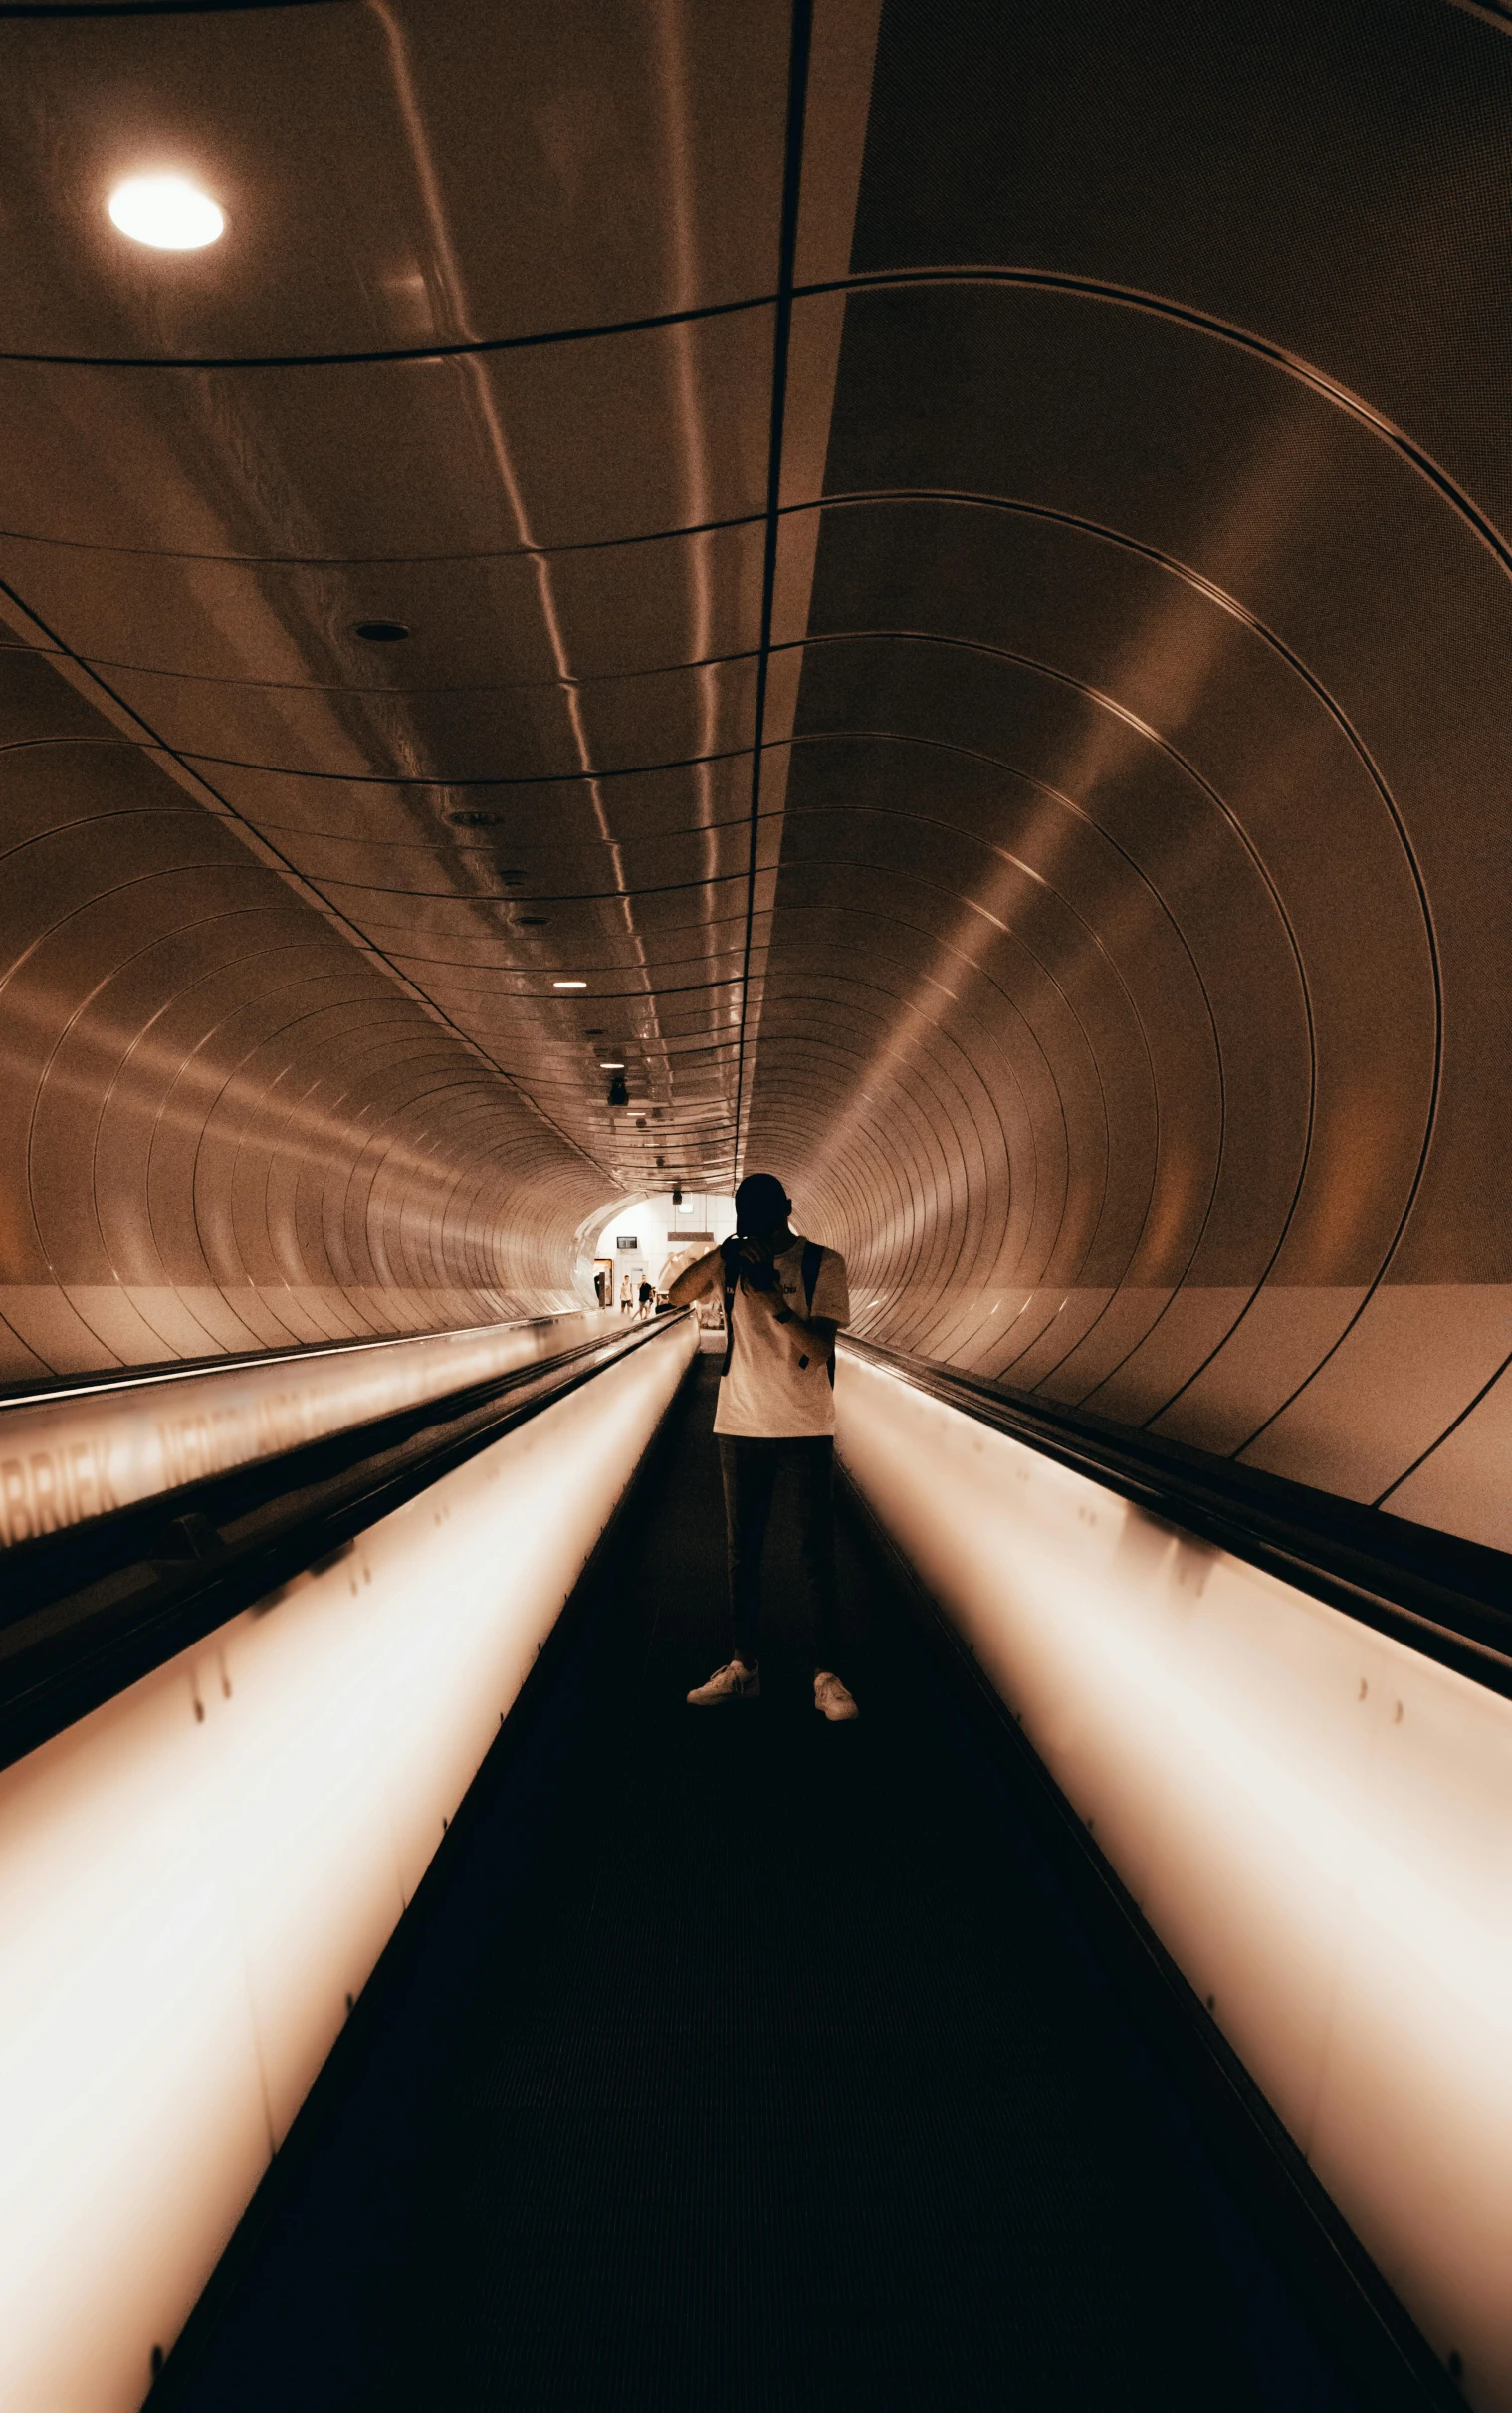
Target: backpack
(813, 1258)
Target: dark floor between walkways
(769, 2078)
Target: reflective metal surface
(198, 1877)
(1307, 1812)
(72, 1450)
(955, 572)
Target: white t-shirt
(778, 1387)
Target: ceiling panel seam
(797, 95)
(99, 691)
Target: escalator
(732, 2058)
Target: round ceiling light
(167, 212)
(379, 632)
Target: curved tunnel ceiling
(955, 572)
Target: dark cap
(761, 1205)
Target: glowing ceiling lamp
(167, 212)
(569, 984)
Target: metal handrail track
(1442, 1596)
(90, 1610)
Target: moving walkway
(734, 2059)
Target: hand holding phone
(750, 1262)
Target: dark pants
(750, 1471)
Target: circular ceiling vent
(379, 632)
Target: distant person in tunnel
(785, 1298)
(626, 1297)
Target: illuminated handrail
(77, 1447)
(1448, 1598)
(89, 1609)
(42, 1390)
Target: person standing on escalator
(785, 1298)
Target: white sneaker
(831, 1697)
(737, 1682)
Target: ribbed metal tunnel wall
(226, 1129)
(1139, 975)
(1064, 454)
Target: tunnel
(602, 599)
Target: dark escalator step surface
(785, 2089)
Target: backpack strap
(813, 1258)
(732, 1284)
(728, 1333)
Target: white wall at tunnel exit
(1316, 1820)
(195, 1877)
